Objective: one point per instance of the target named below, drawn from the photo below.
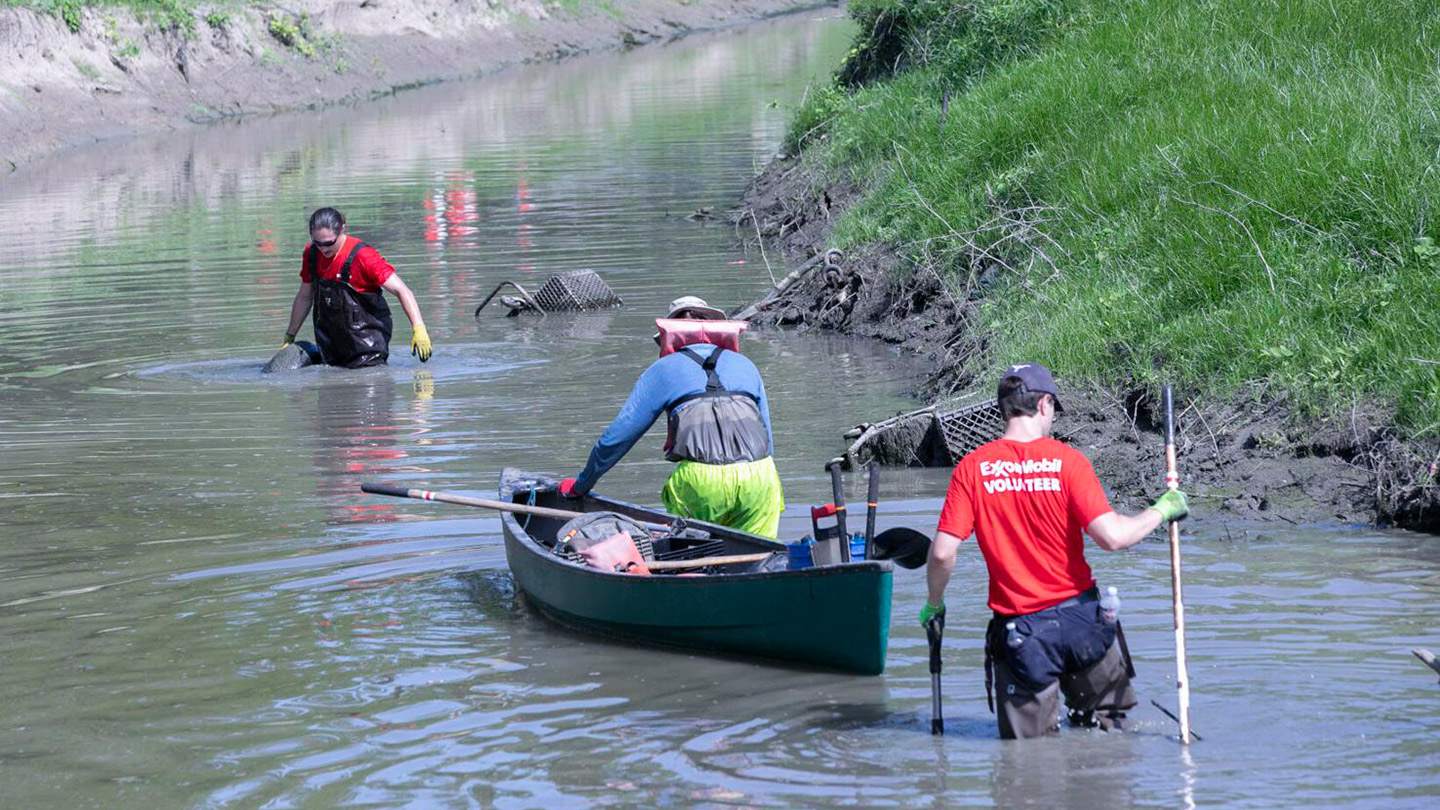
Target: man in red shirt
(1027, 497)
(343, 278)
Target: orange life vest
(677, 333)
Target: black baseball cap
(1036, 378)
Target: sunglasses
(318, 243)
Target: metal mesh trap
(936, 436)
(575, 291)
(965, 429)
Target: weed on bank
(1210, 193)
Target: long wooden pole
(465, 500)
(1172, 481)
(701, 562)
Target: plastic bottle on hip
(1012, 636)
(1110, 604)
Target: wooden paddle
(1172, 481)
(427, 495)
(698, 562)
(543, 511)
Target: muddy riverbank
(118, 75)
(1253, 455)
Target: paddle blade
(904, 546)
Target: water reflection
(1093, 774)
(201, 610)
(356, 439)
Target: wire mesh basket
(575, 291)
(968, 427)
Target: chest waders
(716, 426)
(352, 328)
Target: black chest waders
(717, 426)
(352, 328)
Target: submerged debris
(936, 436)
(576, 291)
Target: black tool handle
(839, 486)
(872, 499)
(384, 489)
(934, 632)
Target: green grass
(1209, 193)
(167, 14)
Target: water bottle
(1110, 604)
(1012, 636)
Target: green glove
(1172, 505)
(931, 611)
(289, 338)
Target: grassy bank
(1217, 194)
(163, 13)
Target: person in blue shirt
(719, 431)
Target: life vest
(716, 426)
(677, 333)
(352, 328)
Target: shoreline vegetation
(1239, 199)
(79, 71)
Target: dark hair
(1015, 399)
(328, 219)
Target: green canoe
(835, 617)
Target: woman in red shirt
(342, 278)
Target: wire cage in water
(965, 429)
(936, 436)
(575, 291)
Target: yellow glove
(289, 338)
(420, 342)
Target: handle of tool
(463, 500)
(701, 562)
(1172, 481)
(839, 486)
(872, 498)
(934, 632)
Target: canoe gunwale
(513, 481)
(834, 617)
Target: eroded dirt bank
(119, 75)
(1252, 456)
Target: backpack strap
(712, 380)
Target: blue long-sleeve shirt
(666, 380)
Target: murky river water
(199, 610)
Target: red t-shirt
(367, 272)
(1027, 503)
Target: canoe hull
(836, 617)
